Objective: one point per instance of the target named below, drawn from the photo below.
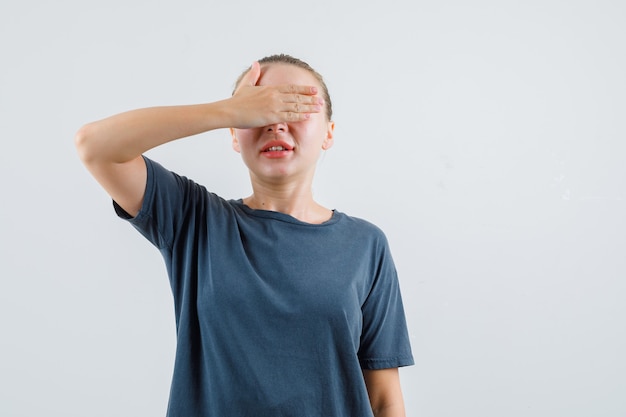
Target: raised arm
(111, 148)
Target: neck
(296, 201)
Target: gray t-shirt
(274, 317)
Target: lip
(287, 149)
(273, 143)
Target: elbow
(84, 143)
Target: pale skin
(274, 105)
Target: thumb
(252, 76)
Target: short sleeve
(162, 207)
(384, 339)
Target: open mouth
(277, 146)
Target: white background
(486, 138)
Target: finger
(298, 89)
(304, 108)
(300, 98)
(297, 117)
(251, 77)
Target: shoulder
(359, 228)
(170, 181)
(183, 197)
(358, 223)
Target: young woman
(283, 307)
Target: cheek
(244, 137)
(309, 129)
(317, 133)
(243, 134)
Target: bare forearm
(385, 392)
(396, 410)
(111, 148)
(125, 136)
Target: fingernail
(314, 90)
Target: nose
(276, 127)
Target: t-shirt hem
(384, 363)
(147, 197)
(143, 216)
